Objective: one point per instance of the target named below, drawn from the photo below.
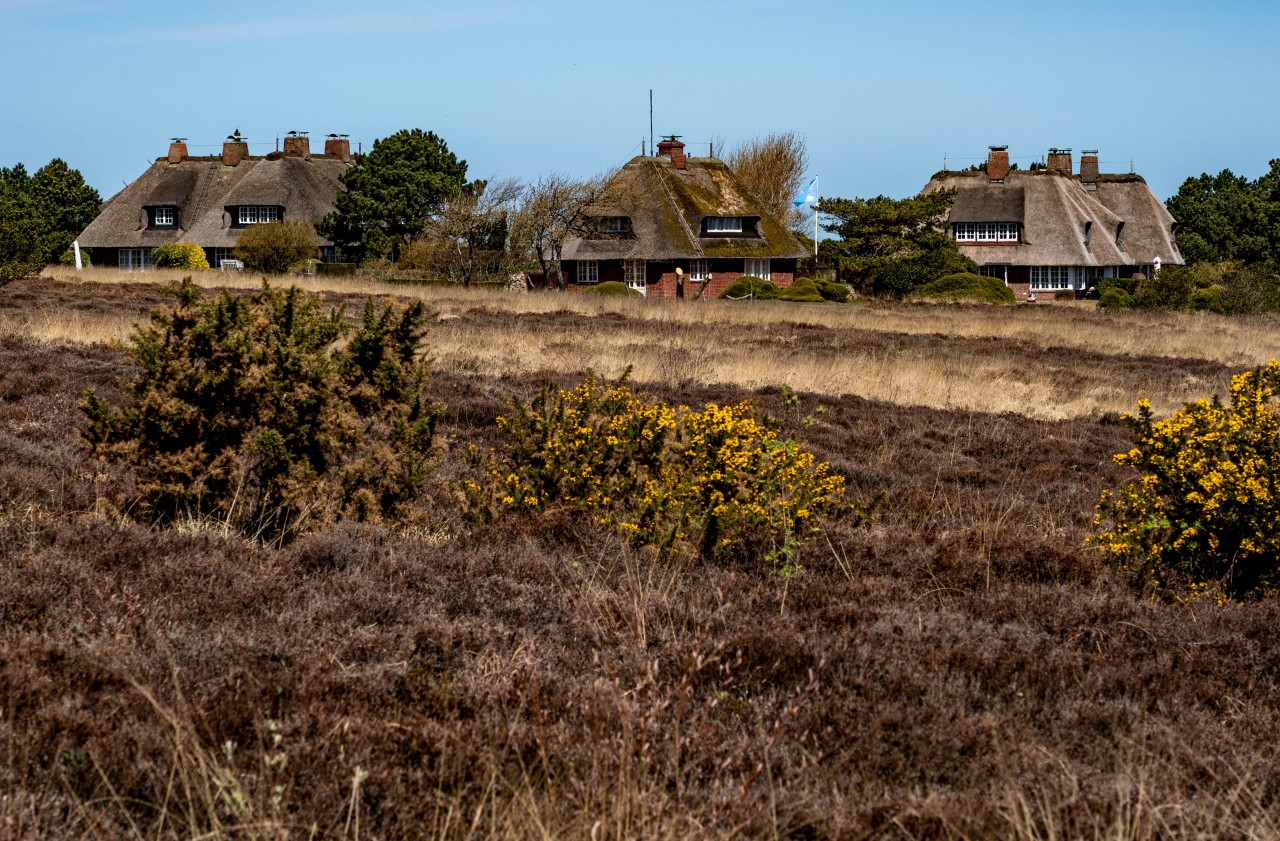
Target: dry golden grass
(1049, 361)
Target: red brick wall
(1060, 162)
(660, 277)
(998, 164)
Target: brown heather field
(962, 667)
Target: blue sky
(880, 91)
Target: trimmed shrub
(272, 247)
(1114, 299)
(613, 287)
(715, 483)
(966, 287)
(801, 289)
(336, 269)
(749, 286)
(247, 412)
(1201, 515)
(68, 257)
(837, 293)
(180, 255)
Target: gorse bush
(717, 482)
(1202, 514)
(966, 286)
(180, 255)
(802, 289)
(247, 413)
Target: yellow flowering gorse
(717, 481)
(1201, 518)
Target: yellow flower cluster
(1201, 515)
(717, 481)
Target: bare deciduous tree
(553, 211)
(772, 168)
(473, 223)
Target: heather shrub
(180, 255)
(273, 247)
(247, 412)
(749, 286)
(716, 482)
(1202, 513)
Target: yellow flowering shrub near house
(717, 482)
(1201, 518)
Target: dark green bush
(802, 289)
(180, 255)
(749, 286)
(613, 287)
(965, 286)
(336, 269)
(835, 292)
(1127, 285)
(1115, 298)
(249, 414)
(1171, 288)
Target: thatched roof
(202, 189)
(1063, 223)
(667, 207)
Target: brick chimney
(297, 145)
(672, 147)
(178, 150)
(338, 146)
(1060, 161)
(235, 149)
(1089, 167)
(998, 163)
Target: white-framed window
(217, 255)
(165, 217)
(1045, 278)
(588, 271)
(756, 268)
(724, 224)
(131, 259)
(633, 273)
(987, 231)
(1000, 272)
(616, 225)
(257, 214)
(698, 271)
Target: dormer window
(257, 214)
(724, 225)
(164, 217)
(987, 231)
(615, 225)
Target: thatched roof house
(672, 225)
(1051, 230)
(212, 200)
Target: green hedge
(613, 287)
(749, 286)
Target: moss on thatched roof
(667, 207)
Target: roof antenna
(652, 148)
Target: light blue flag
(808, 195)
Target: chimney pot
(234, 151)
(297, 146)
(1060, 161)
(338, 146)
(1089, 166)
(672, 148)
(998, 163)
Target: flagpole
(815, 225)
